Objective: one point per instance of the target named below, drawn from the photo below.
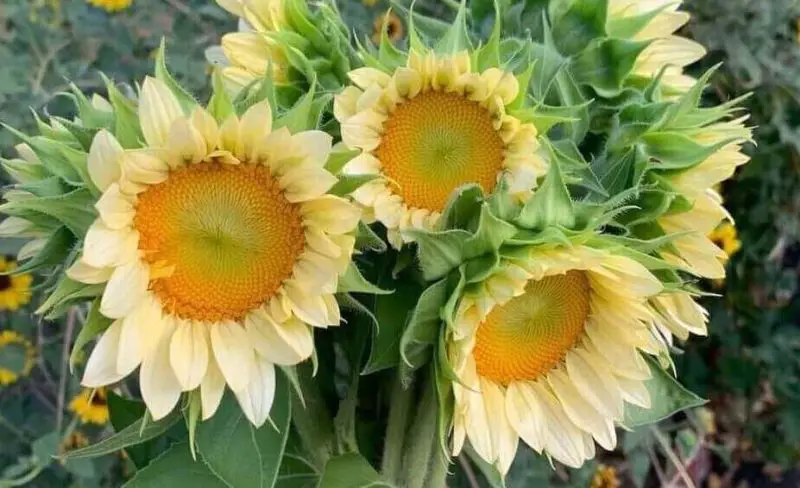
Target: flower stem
(311, 419)
(421, 440)
(402, 396)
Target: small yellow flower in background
(391, 23)
(11, 338)
(91, 406)
(726, 239)
(110, 5)
(76, 440)
(369, 3)
(15, 290)
(605, 477)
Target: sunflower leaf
(667, 397)
(351, 471)
(176, 468)
(352, 281)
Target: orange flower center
(528, 336)
(437, 142)
(225, 237)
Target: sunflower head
(15, 286)
(111, 5)
(438, 117)
(214, 241)
(18, 356)
(91, 406)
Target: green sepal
(577, 171)
(302, 115)
(185, 99)
(667, 397)
(577, 25)
(339, 157)
(606, 63)
(489, 236)
(51, 156)
(635, 120)
(675, 150)
(420, 27)
(626, 27)
(462, 208)
(347, 184)
(75, 209)
(424, 325)
(127, 128)
(299, 18)
(66, 292)
(544, 117)
(481, 268)
(191, 415)
(24, 171)
(551, 204)
(439, 252)
(82, 134)
(54, 252)
(488, 55)
(96, 323)
(47, 187)
(352, 281)
(90, 117)
(255, 92)
(220, 105)
(368, 240)
(456, 38)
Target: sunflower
(15, 289)
(605, 477)
(91, 406)
(724, 236)
(220, 248)
(429, 127)
(666, 51)
(12, 339)
(549, 350)
(389, 23)
(696, 250)
(246, 55)
(110, 5)
(75, 440)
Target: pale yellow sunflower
(696, 251)
(91, 406)
(549, 350)
(220, 248)
(246, 55)
(10, 338)
(110, 5)
(666, 49)
(428, 128)
(15, 289)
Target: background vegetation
(749, 367)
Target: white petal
(105, 247)
(332, 214)
(211, 389)
(316, 146)
(284, 343)
(188, 353)
(125, 290)
(101, 368)
(83, 273)
(160, 387)
(256, 399)
(158, 109)
(254, 126)
(309, 307)
(103, 161)
(234, 353)
(115, 209)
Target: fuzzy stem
(399, 408)
(311, 419)
(421, 440)
(437, 472)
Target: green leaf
(354, 282)
(491, 234)
(12, 358)
(129, 436)
(351, 471)
(424, 324)
(667, 397)
(46, 447)
(126, 120)
(439, 252)
(240, 454)
(124, 412)
(176, 469)
(186, 100)
(606, 63)
(675, 150)
(95, 324)
(75, 209)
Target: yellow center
(228, 234)
(531, 334)
(437, 142)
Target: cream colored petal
(313, 271)
(524, 413)
(31, 249)
(188, 353)
(204, 123)
(634, 392)
(315, 146)
(286, 343)
(130, 354)
(364, 77)
(256, 399)
(254, 126)
(144, 167)
(332, 312)
(248, 50)
(308, 307)
(126, 289)
(103, 160)
(504, 439)
(158, 109)
(331, 214)
(234, 354)
(233, 6)
(186, 144)
(564, 441)
(115, 209)
(15, 227)
(160, 388)
(321, 243)
(344, 104)
(83, 273)
(101, 368)
(580, 411)
(592, 382)
(363, 164)
(211, 389)
(360, 131)
(306, 182)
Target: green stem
(397, 424)
(437, 472)
(311, 419)
(421, 440)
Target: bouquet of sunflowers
(362, 257)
